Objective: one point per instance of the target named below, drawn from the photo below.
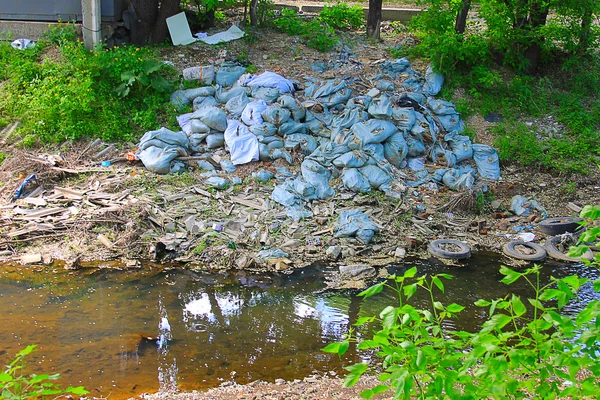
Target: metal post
(92, 30)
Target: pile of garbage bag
(362, 138)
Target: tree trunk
(586, 28)
(461, 18)
(144, 18)
(537, 18)
(253, 16)
(374, 18)
(168, 8)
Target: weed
(3, 156)
(342, 16)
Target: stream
(121, 333)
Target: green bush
(316, 33)
(342, 16)
(72, 94)
(15, 385)
(525, 349)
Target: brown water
(122, 333)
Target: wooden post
(91, 26)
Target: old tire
(560, 225)
(510, 249)
(435, 249)
(553, 251)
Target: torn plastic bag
(291, 127)
(196, 140)
(318, 176)
(269, 95)
(251, 114)
(212, 116)
(215, 140)
(306, 143)
(158, 148)
(403, 117)
(276, 115)
(355, 181)
(460, 145)
(378, 178)
(227, 166)
(297, 110)
(458, 180)
(394, 68)
(327, 152)
(385, 85)
(178, 99)
(236, 105)
(522, 206)
(228, 74)
(184, 122)
(351, 159)
(293, 193)
(442, 156)
(263, 129)
(395, 149)
(263, 176)
(204, 91)
(354, 223)
(451, 123)
(430, 130)
(441, 107)
(380, 108)
(205, 165)
(416, 147)
(371, 131)
(486, 159)
(281, 154)
(416, 164)
(271, 80)
(202, 101)
(330, 94)
(412, 84)
(223, 96)
(318, 124)
(217, 182)
(347, 119)
(298, 214)
(242, 144)
(433, 82)
(197, 126)
(375, 152)
(276, 144)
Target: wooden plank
(69, 193)
(36, 201)
(248, 203)
(42, 213)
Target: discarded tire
(511, 250)
(554, 252)
(435, 249)
(560, 225)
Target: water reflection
(124, 333)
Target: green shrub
(342, 16)
(73, 95)
(316, 33)
(525, 349)
(15, 385)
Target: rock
(170, 227)
(400, 252)
(357, 271)
(280, 381)
(333, 252)
(31, 258)
(291, 243)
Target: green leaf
(590, 212)
(128, 76)
(409, 290)
(482, 303)
(510, 275)
(410, 273)
(38, 378)
(369, 393)
(338, 347)
(27, 350)
(437, 305)
(421, 359)
(364, 320)
(150, 66)
(454, 308)
(597, 285)
(497, 321)
(388, 315)
(160, 84)
(373, 290)
(355, 372)
(445, 276)
(4, 377)
(438, 282)
(50, 392)
(537, 304)
(79, 390)
(518, 306)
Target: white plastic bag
(242, 143)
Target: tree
(374, 18)
(149, 23)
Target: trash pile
(364, 139)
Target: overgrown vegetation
(16, 385)
(61, 91)
(319, 32)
